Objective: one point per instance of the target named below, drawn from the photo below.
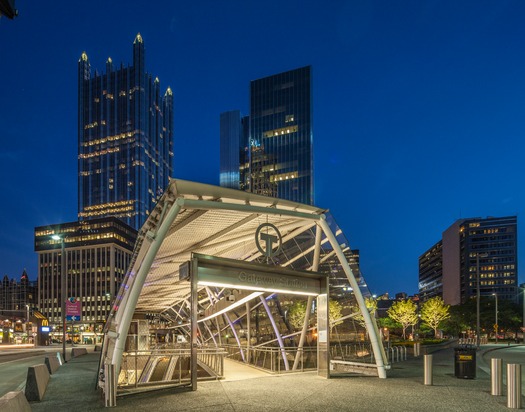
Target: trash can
(465, 362)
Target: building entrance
(251, 284)
(218, 272)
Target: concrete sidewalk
(72, 388)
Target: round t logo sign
(266, 237)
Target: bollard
(417, 347)
(110, 386)
(428, 369)
(514, 386)
(496, 376)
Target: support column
(323, 334)
(232, 327)
(127, 308)
(371, 327)
(193, 324)
(277, 334)
(315, 267)
(248, 332)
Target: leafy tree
(434, 312)
(335, 311)
(463, 316)
(296, 314)
(404, 312)
(297, 311)
(371, 305)
(389, 323)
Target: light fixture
(255, 288)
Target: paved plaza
(72, 388)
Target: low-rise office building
(97, 254)
(475, 252)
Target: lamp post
(478, 295)
(62, 292)
(27, 323)
(522, 286)
(496, 327)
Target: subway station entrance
(220, 276)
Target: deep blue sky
(419, 108)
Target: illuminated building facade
(279, 140)
(431, 272)
(97, 255)
(125, 135)
(234, 145)
(17, 301)
(452, 264)
(15, 296)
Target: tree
(463, 316)
(434, 312)
(335, 311)
(403, 312)
(296, 314)
(371, 306)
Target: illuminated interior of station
(220, 276)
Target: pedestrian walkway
(72, 388)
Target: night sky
(419, 108)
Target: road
(14, 373)
(508, 354)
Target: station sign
(224, 272)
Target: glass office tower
(275, 157)
(281, 127)
(234, 149)
(125, 136)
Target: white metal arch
(180, 211)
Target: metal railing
(271, 359)
(353, 352)
(483, 340)
(397, 353)
(168, 367)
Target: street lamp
(478, 255)
(522, 286)
(496, 327)
(62, 291)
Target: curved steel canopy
(193, 217)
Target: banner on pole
(73, 309)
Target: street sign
(73, 309)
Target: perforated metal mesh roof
(223, 224)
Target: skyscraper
(279, 141)
(234, 145)
(125, 140)
(470, 248)
(125, 151)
